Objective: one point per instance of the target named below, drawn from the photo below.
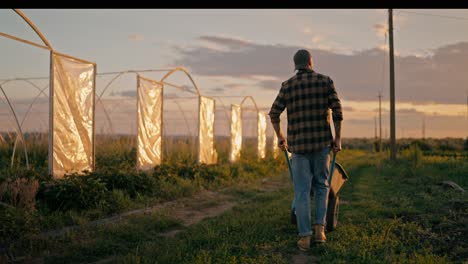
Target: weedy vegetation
(390, 212)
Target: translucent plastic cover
(275, 147)
(149, 136)
(207, 153)
(73, 90)
(236, 133)
(261, 126)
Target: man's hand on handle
(337, 140)
(336, 145)
(282, 144)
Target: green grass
(114, 187)
(216, 238)
(94, 243)
(389, 218)
(393, 212)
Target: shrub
(132, 183)
(118, 200)
(413, 154)
(72, 192)
(20, 192)
(16, 223)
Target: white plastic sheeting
(261, 134)
(72, 125)
(149, 135)
(236, 133)
(275, 148)
(206, 152)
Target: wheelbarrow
(336, 179)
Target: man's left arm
(277, 108)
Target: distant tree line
(428, 144)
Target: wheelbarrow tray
(339, 178)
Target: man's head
(303, 60)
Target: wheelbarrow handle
(289, 163)
(332, 168)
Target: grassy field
(389, 213)
(392, 214)
(32, 202)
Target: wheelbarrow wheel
(332, 213)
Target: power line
(97, 74)
(382, 84)
(435, 15)
(383, 64)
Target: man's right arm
(337, 113)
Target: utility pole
(392, 88)
(424, 128)
(380, 121)
(376, 142)
(375, 128)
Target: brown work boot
(304, 243)
(319, 234)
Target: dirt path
(192, 210)
(303, 258)
(178, 209)
(188, 210)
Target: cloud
(317, 39)
(185, 89)
(253, 59)
(265, 109)
(357, 121)
(400, 20)
(233, 85)
(381, 29)
(274, 85)
(381, 11)
(306, 30)
(376, 110)
(172, 95)
(133, 93)
(218, 89)
(136, 37)
(357, 76)
(348, 109)
(410, 111)
(322, 42)
(129, 93)
(230, 43)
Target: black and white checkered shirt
(307, 96)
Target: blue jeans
(310, 170)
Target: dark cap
(301, 59)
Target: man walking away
(308, 95)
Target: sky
(239, 52)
